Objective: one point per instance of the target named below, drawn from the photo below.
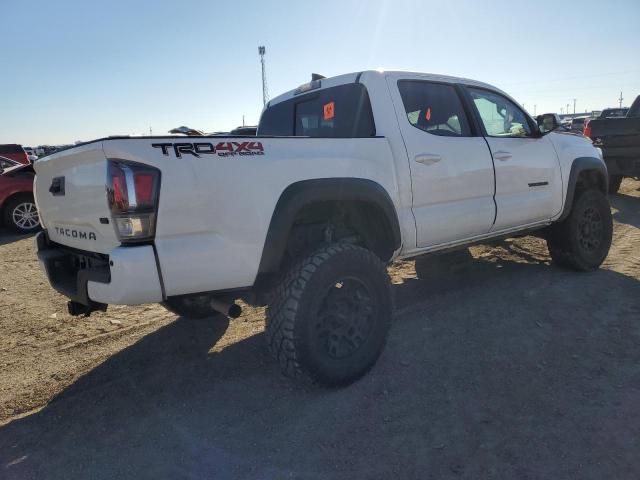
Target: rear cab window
(343, 111)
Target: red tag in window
(428, 114)
(329, 110)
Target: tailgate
(619, 138)
(70, 191)
(615, 129)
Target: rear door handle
(428, 158)
(502, 155)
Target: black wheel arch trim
(578, 166)
(306, 192)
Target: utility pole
(620, 100)
(574, 106)
(561, 110)
(534, 109)
(243, 120)
(567, 108)
(265, 93)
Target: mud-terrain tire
(614, 183)
(330, 315)
(430, 266)
(20, 214)
(190, 306)
(582, 241)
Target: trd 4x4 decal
(222, 149)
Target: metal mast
(265, 91)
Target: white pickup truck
(345, 175)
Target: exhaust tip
(231, 310)
(234, 310)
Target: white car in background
(31, 154)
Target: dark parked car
(619, 139)
(14, 152)
(577, 124)
(17, 207)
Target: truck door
(528, 182)
(452, 176)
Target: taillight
(587, 128)
(132, 195)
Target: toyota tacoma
(345, 175)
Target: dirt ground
(506, 367)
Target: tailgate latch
(57, 187)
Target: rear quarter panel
(214, 211)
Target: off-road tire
(614, 183)
(12, 211)
(321, 333)
(190, 306)
(582, 241)
(430, 266)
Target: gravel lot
(506, 367)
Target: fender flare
(303, 193)
(578, 166)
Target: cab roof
(355, 76)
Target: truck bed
(619, 139)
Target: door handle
(502, 155)
(428, 158)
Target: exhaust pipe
(231, 310)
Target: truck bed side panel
(215, 210)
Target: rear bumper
(127, 276)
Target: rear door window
(434, 107)
(337, 112)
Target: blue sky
(76, 70)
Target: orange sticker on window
(329, 110)
(428, 114)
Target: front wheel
(583, 239)
(330, 315)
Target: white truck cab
(345, 175)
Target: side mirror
(547, 122)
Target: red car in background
(14, 152)
(17, 207)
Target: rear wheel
(330, 315)
(583, 239)
(614, 183)
(21, 214)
